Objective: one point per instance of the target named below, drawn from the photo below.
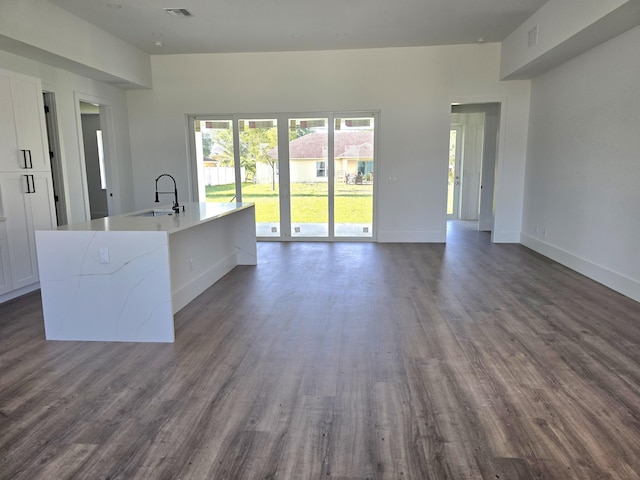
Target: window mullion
(330, 168)
(237, 158)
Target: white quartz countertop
(144, 221)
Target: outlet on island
(103, 256)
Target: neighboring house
(309, 153)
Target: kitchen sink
(156, 212)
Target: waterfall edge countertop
(194, 214)
(122, 278)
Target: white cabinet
(27, 204)
(26, 188)
(8, 128)
(23, 131)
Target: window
(103, 175)
(321, 169)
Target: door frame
(107, 126)
(55, 154)
(492, 153)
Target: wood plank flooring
(342, 361)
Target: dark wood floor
(344, 361)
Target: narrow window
(103, 175)
(321, 169)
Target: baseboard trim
(5, 297)
(505, 237)
(615, 281)
(186, 293)
(418, 236)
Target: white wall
(66, 86)
(565, 29)
(42, 31)
(412, 87)
(583, 164)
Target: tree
(255, 143)
(207, 141)
(224, 140)
(299, 132)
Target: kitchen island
(122, 278)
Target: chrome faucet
(176, 206)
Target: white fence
(221, 175)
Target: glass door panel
(309, 174)
(354, 171)
(453, 186)
(258, 140)
(215, 160)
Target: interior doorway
(93, 149)
(473, 165)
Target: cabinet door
(42, 203)
(30, 121)
(9, 158)
(16, 204)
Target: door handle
(31, 185)
(24, 159)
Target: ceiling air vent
(178, 12)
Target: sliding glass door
(258, 146)
(311, 177)
(354, 175)
(331, 167)
(236, 159)
(214, 141)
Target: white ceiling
(297, 25)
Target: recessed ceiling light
(159, 43)
(178, 12)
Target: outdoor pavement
(316, 230)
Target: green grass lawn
(353, 203)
